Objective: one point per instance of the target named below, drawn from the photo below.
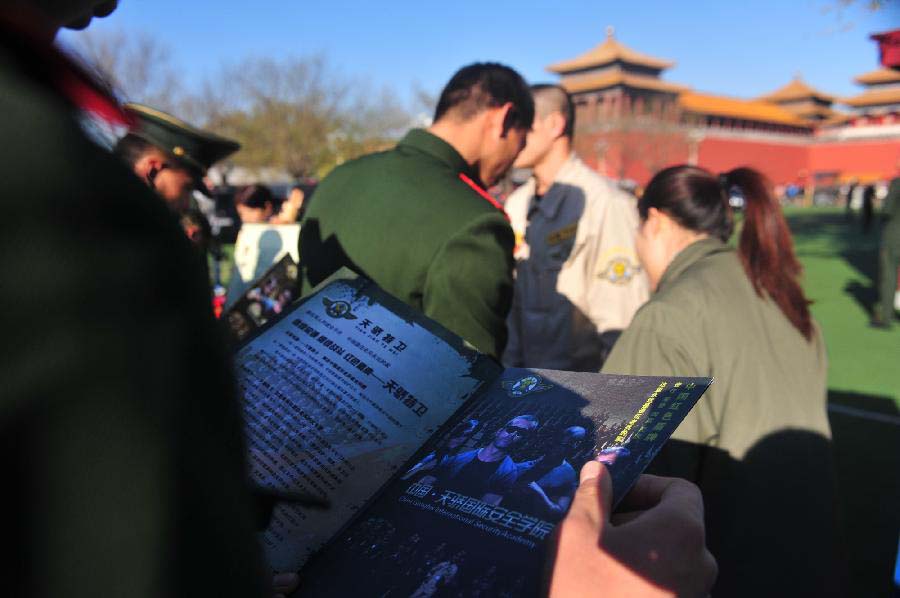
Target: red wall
(871, 159)
(782, 163)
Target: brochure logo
(338, 309)
(525, 386)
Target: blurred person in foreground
(888, 256)
(417, 219)
(124, 465)
(123, 454)
(758, 442)
(578, 281)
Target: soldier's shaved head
(553, 129)
(549, 98)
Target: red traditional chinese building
(631, 121)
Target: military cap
(195, 149)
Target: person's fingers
(646, 493)
(589, 471)
(681, 496)
(623, 518)
(593, 497)
(670, 494)
(709, 570)
(285, 583)
(661, 536)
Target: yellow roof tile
(618, 77)
(797, 89)
(609, 51)
(755, 110)
(810, 111)
(838, 118)
(879, 76)
(874, 97)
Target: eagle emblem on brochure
(619, 270)
(525, 386)
(338, 309)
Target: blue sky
(737, 48)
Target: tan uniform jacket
(577, 275)
(758, 442)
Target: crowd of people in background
(256, 204)
(577, 275)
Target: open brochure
(257, 248)
(443, 472)
(261, 302)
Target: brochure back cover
(471, 516)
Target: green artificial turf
(840, 274)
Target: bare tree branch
(136, 66)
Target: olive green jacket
(758, 441)
(705, 319)
(123, 459)
(406, 220)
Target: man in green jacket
(888, 257)
(417, 219)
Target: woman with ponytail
(758, 442)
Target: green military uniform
(405, 219)
(122, 456)
(889, 254)
(757, 443)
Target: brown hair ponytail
(698, 200)
(766, 248)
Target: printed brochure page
(338, 394)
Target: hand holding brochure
(444, 472)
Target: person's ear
(506, 115)
(148, 163)
(556, 122)
(656, 222)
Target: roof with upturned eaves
(753, 110)
(797, 89)
(615, 76)
(878, 77)
(610, 51)
(874, 97)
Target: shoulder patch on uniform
(563, 234)
(620, 269)
(520, 236)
